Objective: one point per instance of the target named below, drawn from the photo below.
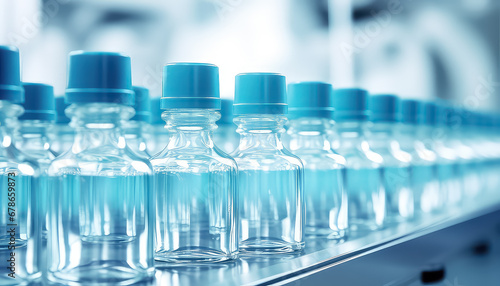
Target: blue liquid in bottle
(196, 191)
(101, 211)
(270, 177)
(20, 228)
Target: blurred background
(417, 49)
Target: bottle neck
(98, 124)
(349, 134)
(33, 135)
(262, 131)
(381, 134)
(309, 133)
(190, 128)
(8, 119)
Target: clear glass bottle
(62, 135)
(364, 180)
(311, 119)
(138, 128)
(35, 125)
(449, 171)
(158, 135)
(397, 171)
(20, 231)
(101, 210)
(195, 182)
(424, 183)
(270, 177)
(226, 136)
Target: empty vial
(138, 128)
(270, 177)
(424, 179)
(382, 137)
(311, 119)
(101, 211)
(20, 228)
(35, 124)
(364, 180)
(195, 182)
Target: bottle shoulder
(277, 159)
(13, 160)
(210, 160)
(90, 162)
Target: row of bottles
(96, 188)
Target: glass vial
(195, 182)
(20, 228)
(382, 137)
(101, 211)
(270, 177)
(364, 180)
(311, 119)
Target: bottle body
(324, 172)
(20, 239)
(270, 182)
(397, 172)
(196, 192)
(101, 211)
(364, 178)
(424, 179)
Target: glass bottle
(270, 177)
(62, 135)
(159, 135)
(364, 180)
(448, 161)
(382, 137)
(424, 183)
(195, 182)
(311, 113)
(226, 136)
(20, 231)
(101, 211)
(138, 127)
(35, 124)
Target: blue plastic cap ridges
(384, 108)
(350, 104)
(142, 104)
(412, 111)
(39, 102)
(190, 85)
(61, 106)
(226, 112)
(10, 75)
(260, 93)
(310, 99)
(99, 77)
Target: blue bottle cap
(226, 112)
(430, 110)
(190, 85)
(412, 111)
(142, 104)
(99, 77)
(156, 111)
(61, 106)
(384, 108)
(350, 104)
(39, 102)
(10, 75)
(260, 93)
(310, 99)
